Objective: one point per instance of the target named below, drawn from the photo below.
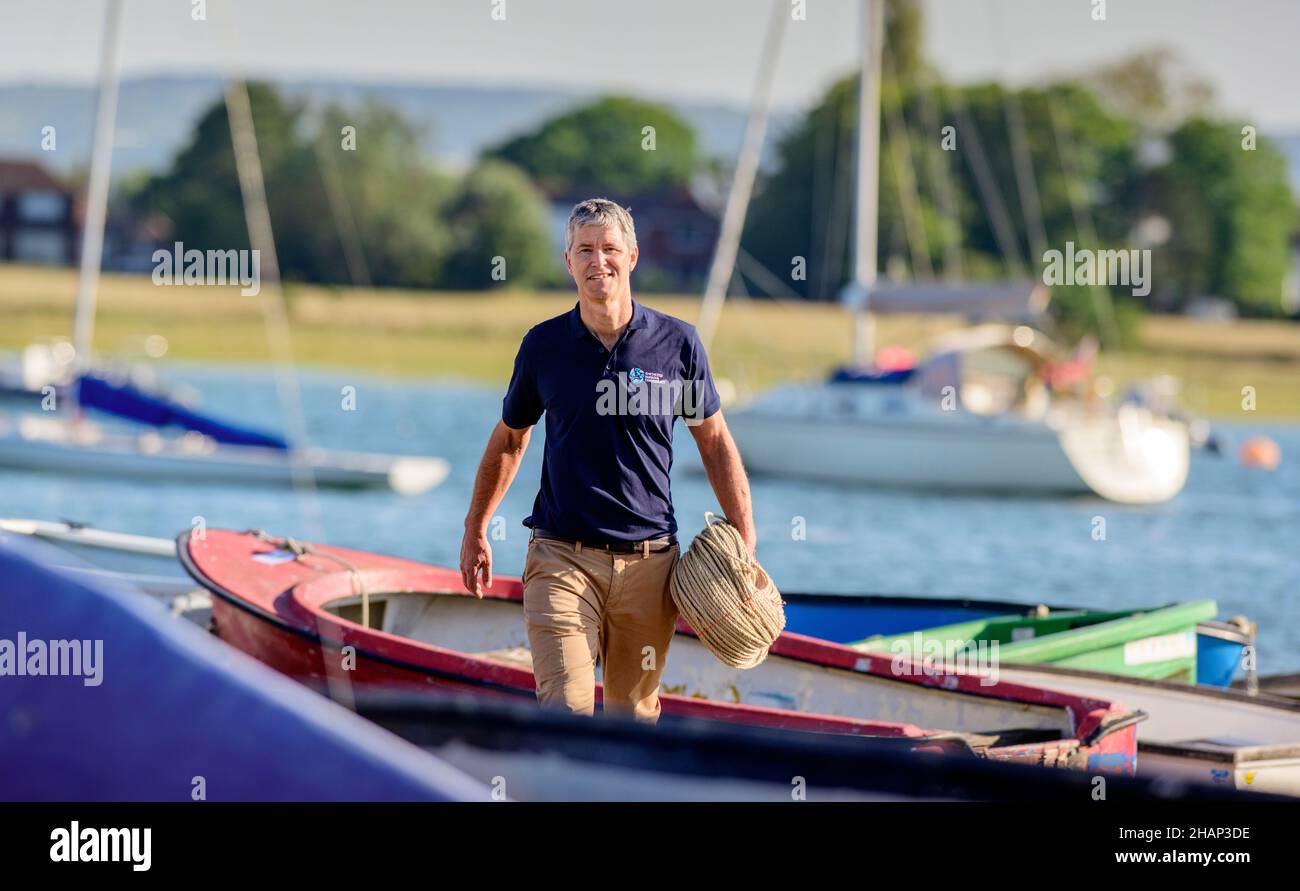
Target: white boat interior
(494, 629)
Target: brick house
(38, 220)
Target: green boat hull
(1158, 644)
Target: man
(611, 376)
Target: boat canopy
(1017, 338)
(992, 368)
(124, 400)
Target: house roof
(28, 176)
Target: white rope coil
(726, 596)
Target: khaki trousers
(583, 604)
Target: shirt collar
(640, 319)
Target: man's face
(600, 262)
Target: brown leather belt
(653, 545)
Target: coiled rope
(726, 596)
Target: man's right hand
(475, 562)
(505, 449)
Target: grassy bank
(474, 335)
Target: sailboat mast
(101, 167)
(857, 293)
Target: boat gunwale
(1221, 630)
(1208, 750)
(1231, 694)
(828, 599)
(1090, 719)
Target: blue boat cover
(851, 375)
(127, 401)
(167, 704)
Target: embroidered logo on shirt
(638, 376)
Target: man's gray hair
(600, 212)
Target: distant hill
(157, 114)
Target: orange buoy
(895, 358)
(1262, 452)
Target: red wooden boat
(296, 606)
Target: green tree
(497, 213)
(396, 199)
(804, 207)
(1231, 212)
(1154, 88)
(604, 147)
(904, 33)
(386, 197)
(200, 193)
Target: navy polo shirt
(609, 421)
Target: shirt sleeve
(522, 406)
(699, 394)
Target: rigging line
(900, 154)
(723, 267)
(1026, 186)
(341, 210)
(252, 187)
(824, 146)
(738, 282)
(257, 217)
(941, 179)
(1003, 231)
(1102, 306)
(1030, 206)
(835, 241)
(764, 278)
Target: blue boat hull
(154, 709)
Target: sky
(698, 49)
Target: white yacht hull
(1132, 458)
(46, 445)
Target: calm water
(1231, 535)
